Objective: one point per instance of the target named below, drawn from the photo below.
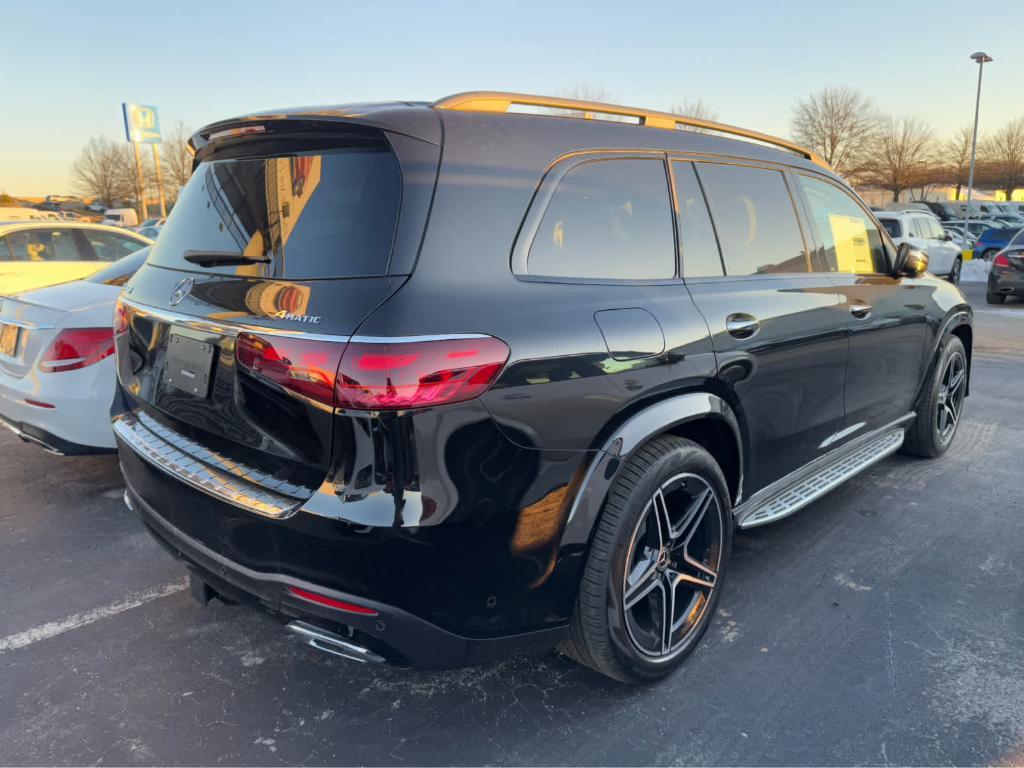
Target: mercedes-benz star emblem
(181, 290)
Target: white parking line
(54, 628)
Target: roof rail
(498, 101)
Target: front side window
(109, 246)
(850, 238)
(755, 220)
(607, 220)
(43, 245)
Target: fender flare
(630, 435)
(960, 316)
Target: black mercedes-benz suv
(432, 381)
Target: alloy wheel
(674, 557)
(952, 386)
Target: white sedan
(57, 361)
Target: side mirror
(910, 262)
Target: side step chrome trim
(336, 645)
(792, 493)
(187, 462)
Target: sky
(67, 69)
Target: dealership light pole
(982, 59)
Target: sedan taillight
(1001, 260)
(76, 348)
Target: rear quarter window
(324, 214)
(608, 219)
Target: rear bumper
(1006, 283)
(30, 433)
(77, 424)
(400, 637)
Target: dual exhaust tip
(332, 643)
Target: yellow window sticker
(853, 249)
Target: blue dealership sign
(141, 123)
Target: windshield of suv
(322, 214)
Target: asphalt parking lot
(882, 625)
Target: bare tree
(176, 160)
(837, 123)
(1003, 155)
(104, 170)
(900, 156)
(956, 158)
(695, 108)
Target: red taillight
(330, 602)
(304, 366)
(390, 376)
(1001, 260)
(120, 318)
(76, 348)
(376, 376)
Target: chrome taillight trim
(206, 471)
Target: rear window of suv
(324, 214)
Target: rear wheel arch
(701, 417)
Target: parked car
(1006, 277)
(150, 232)
(56, 364)
(975, 226)
(475, 396)
(993, 240)
(157, 222)
(120, 217)
(17, 213)
(943, 211)
(34, 254)
(960, 237)
(924, 232)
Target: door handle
(859, 309)
(742, 326)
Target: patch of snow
(975, 271)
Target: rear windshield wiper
(220, 258)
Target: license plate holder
(9, 337)
(189, 364)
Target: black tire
(929, 434)
(954, 273)
(995, 298)
(602, 633)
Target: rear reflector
(388, 376)
(76, 348)
(39, 403)
(376, 376)
(330, 602)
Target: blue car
(992, 241)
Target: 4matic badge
(286, 315)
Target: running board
(774, 504)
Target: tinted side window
(44, 245)
(696, 235)
(5, 250)
(109, 246)
(852, 242)
(607, 219)
(892, 226)
(755, 220)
